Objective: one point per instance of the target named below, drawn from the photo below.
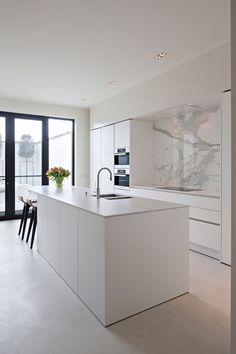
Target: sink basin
(112, 196)
(180, 189)
(119, 197)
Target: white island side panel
(146, 261)
(69, 219)
(91, 256)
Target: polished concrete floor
(39, 314)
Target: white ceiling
(59, 51)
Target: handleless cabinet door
(42, 233)
(69, 245)
(122, 134)
(107, 158)
(53, 251)
(95, 155)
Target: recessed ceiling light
(83, 99)
(111, 83)
(160, 55)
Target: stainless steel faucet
(98, 183)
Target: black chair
(24, 217)
(33, 222)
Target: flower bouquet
(58, 174)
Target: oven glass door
(121, 159)
(122, 180)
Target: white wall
(81, 117)
(206, 75)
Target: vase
(59, 182)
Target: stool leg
(25, 221)
(34, 229)
(22, 219)
(30, 225)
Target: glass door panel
(60, 133)
(28, 155)
(2, 166)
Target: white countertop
(200, 193)
(81, 198)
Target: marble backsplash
(187, 150)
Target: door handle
(5, 179)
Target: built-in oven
(121, 178)
(121, 158)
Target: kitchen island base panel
(146, 262)
(117, 265)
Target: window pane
(28, 154)
(60, 144)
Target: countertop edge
(196, 194)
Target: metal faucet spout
(98, 180)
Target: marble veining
(187, 150)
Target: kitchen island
(120, 257)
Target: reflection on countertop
(181, 189)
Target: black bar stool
(24, 217)
(33, 222)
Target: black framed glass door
(29, 145)
(2, 166)
(28, 155)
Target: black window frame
(10, 155)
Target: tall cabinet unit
(101, 155)
(226, 178)
(122, 134)
(107, 158)
(95, 156)
(141, 153)
(138, 136)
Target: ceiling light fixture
(83, 99)
(160, 55)
(111, 83)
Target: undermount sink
(109, 195)
(180, 189)
(119, 197)
(112, 196)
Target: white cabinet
(148, 193)
(205, 235)
(53, 251)
(107, 158)
(92, 262)
(69, 218)
(204, 214)
(95, 155)
(49, 243)
(226, 177)
(122, 134)
(102, 155)
(138, 136)
(141, 153)
(194, 200)
(125, 267)
(42, 225)
(58, 238)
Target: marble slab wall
(187, 150)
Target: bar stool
(33, 222)
(24, 193)
(24, 217)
